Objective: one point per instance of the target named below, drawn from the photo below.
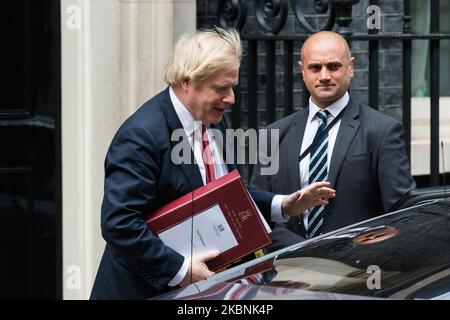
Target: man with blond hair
(142, 175)
(362, 154)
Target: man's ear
(185, 84)
(352, 65)
(301, 67)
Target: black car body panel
(400, 255)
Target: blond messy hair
(197, 57)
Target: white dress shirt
(312, 125)
(193, 130)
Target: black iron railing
(271, 17)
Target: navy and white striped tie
(318, 171)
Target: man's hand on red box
(198, 270)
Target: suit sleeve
(260, 184)
(281, 235)
(264, 201)
(258, 179)
(262, 198)
(394, 168)
(131, 179)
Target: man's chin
(330, 96)
(325, 100)
(327, 94)
(215, 119)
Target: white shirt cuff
(275, 210)
(181, 273)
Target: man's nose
(324, 74)
(229, 98)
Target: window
(420, 23)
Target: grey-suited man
(362, 155)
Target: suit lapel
(191, 171)
(294, 138)
(349, 126)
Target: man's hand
(198, 269)
(313, 195)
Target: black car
(401, 255)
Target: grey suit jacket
(369, 169)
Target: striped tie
(318, 164)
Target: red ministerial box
(237, 208)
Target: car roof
(400, 255)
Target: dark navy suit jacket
(139, 178)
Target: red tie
(207, 157)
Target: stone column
(113, 58)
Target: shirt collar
(335, 108)
(186, 118)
